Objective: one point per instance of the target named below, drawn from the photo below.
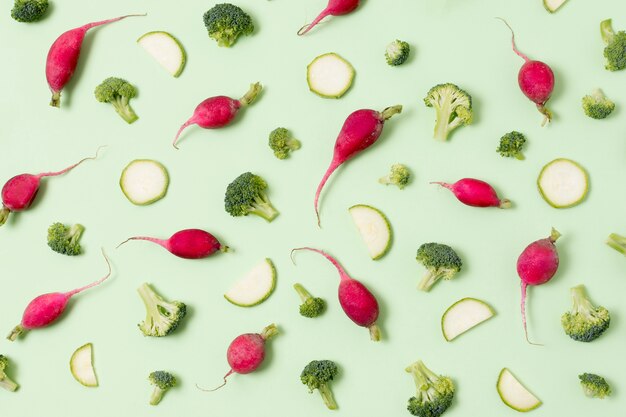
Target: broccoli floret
(617, 242)
(162, 381)
(397, 53)
(584, 323)
(597, 105)
(118, 92)
(434, 392)
(226, 22)
(162, 316)
(29, 10)
(440, 260)
(6, 382)
(311, 306)
(247, 195)
(65, 239)
(282, 143)
(511, 145)
(317, 376)
(615, 50)
(594, 386)
(453, 107)
(399, 176)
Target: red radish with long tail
(475, 193)
(188, 243)
(334, 8)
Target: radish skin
(475, 193)
(187, 244)
(334, 8)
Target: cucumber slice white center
(553, 5)
(165, 49)
(144, 181)
(514, 394)
(563, 183)
(81, 366)
(463, 315)
(255, 286)
(329, 75)
(374, 228)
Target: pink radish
(361, 130)
(334, 8)
(218, 111)
(536, 80)
(536, 265)
(475, 193)
(63, 57)
(46, 309)
(356, 300)
(188, 243)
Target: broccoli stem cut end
(156, 396)
(302, 292)
(265, 210)
(617, 242)
(16, 332)
(4, 215)
(441, 127)
(8, 384)
(327, 396)
(430, 278)
(606, 30)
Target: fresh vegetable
(225, 22)
(81, 366)
(356, 300)
(218, 111)
(118, 93)
(617, 242)
(162, 316)
(187, 243)
(374, 228)
(163, 381)
(6, 382)
(361, 130)
(165, 49)
(334, 8)
(317, 375)
(615, 50)
(597, 105)
(311, 306)
(282, 142)
(247, 194)
(563, 183)
(553, 5)
(254, 287)
(514, 394)
(440, 261)
(464, 315)
(400, 175)
(65, 239)
(511, 145)
(434, 392)
(475, 193)
(29, 10)
(584, 322)
(594, 386)
(329, 75)
(397, 52)
(453, 108)
(144, 181)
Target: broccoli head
(311, 306)
(162, 381)
(225, 22)
(584, 323)
(453, 107)
(282, 143)
(617, 242)
(615, 50)
(118, 92)
(317, 376)
(29, 10)
(441, 261)
(6, 382)
(597, 105)
(162, 316)
(594, 386)
(398, 176)
(397, 53)
(247, 195)
(65, 239)
(511, 145)
(434, 392)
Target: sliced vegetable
(374, 228)
(329, 75)
(563, 183)
(81, 366)
(255, 286)
(463, 315)
(514, 394)
(166, 50)
(553, 5)
(144, 181)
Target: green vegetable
(597, 105)
(317, 376)
(434, 392)
(329, 75)
(563, 183)
(65, 239)
(453, 107)
(594, 386)
(6, 382)
(514, 394)
(617, 242)
(511, 145)
(311, 306)
(247, 195)
(282, 143)
(226, 22)
(118, 92)
(162, 316)
(441, 261)
(397, 53)
(615, 50)
(398, 176)
(81, 366)
(29, 10)
(162, 381)
(584, 323)
(166, 50)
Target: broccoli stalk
(398, 176)
(162, 317)
(585, 322)
(28, 11)
(225, 22)
(65, 239)
(317, 375)
(594, 386)
(397, 52)
(597, 105)
(6, 382)
(282, 143)
(247, 195)
(615, 50)
(162, 382)
(617, 242)
(311, 306)
(441, 261)
(118, 93)
(511, 145)
(434, 392)
(453, 107)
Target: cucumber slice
(81, 366)
(563, 183)
(514, 394)
(255, 286)
(374, 228)
(463, 315)
(329, 75)
(144, 181)
(553, 5)
(166, 50)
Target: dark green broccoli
(615, 50)
(434, 392)
(29, 10)
(247, 195)
(617, 242)
(440, 260)
(453, 107)
(317, 376)
(597, 105)
(118, 92)
(6, 382)
(162, 381)
(162, 316)
(397, 53)
(226, 22)
(311, 306)
(65, 239)
(584, 323)
(594, 386)
(282, 143)
(398, 176)
(511, 145)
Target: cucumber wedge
(329, 75)
(514, 394)
(563, 183)
(374, 228)
(81, 366)
(166, 50)
(463, 315)
(255, 286)
(144, 181)
(553, 5)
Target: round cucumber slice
(553, 5)
(255, 286)
(563, 183)
(374, 229)
(166, 50)
(463, 315)
(81, 366)
(329, 75)
(144, 181)
(514, 394)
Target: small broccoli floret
(317, 376)
(399, 176)
(226, 22)
(397, 53)
(162, 381)
(434, 392)
(311, 306)
(65, 239)
(597, 105)
(584, 323)
(282, 143)
(440, 260)
(453, 107)
(511, 145)
(118, 92)
(162, 316)
(6, 382)
(29, 10)
(615, 50)
(247, 195)
(594, 386)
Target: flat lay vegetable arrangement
(431, 225)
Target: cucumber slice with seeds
(254, 287)
(464, 315)
(514, 394)
(329, 75)
(144, 181)
(81, 366)
(563, 183)
(166, 50)
(374, 229)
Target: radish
(218, 111)
(334, 8)
(63, 56)
(356, 300)
(47, 308)
(536, 265)
(361, 130)
(188, 243)
(475, 193)
(536, 80)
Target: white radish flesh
(374, 229)
(563, 183)
(166, 50)
(329, 75)
(255, 286)
(514, 394)
(144, 181)
(81, 366)
(463, 315)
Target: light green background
(453, 41)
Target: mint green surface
(452, 41)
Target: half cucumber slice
(329, 75)
(255, 286)
(563, 183)
(463, 315)
(553, 5)
(374, 229)
(166, 50)
(514, 394)
(144, 181)
(81, 366)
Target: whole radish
(46, 309)
(475, 193)
(536, 80)
(218, 111)
(536, 265)
(361, 130)
(188, 243)
(63, 56)
(334, 8)
(356, 300)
